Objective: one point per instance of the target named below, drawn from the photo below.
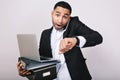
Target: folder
(41, 70)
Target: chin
(58, 28)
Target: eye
(57, 15)
(65, 17)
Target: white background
(33, 16)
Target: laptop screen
(28, 46)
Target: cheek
(65, 22)
(54, 19)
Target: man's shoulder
(47, 30)
(74, 18)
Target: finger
(69, 45)
(64, 44)
(19, 65)
(26, 72)
(63, 51)
(21, 72)
(61, 45)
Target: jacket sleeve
(92, 37)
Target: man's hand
(21, 71)
(66, 44)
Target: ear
(52, 13)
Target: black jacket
(74, 58)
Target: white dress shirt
(62, 70)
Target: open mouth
(59, 25)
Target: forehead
(62, 10)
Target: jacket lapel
(49, 41)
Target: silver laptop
(28, 46)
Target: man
(64, 42)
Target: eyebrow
(59, 13)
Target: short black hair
(64, 5)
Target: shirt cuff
(82, 41)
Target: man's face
(60, 17)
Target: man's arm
(91, 36)
(87, 36)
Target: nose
(60, 20)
